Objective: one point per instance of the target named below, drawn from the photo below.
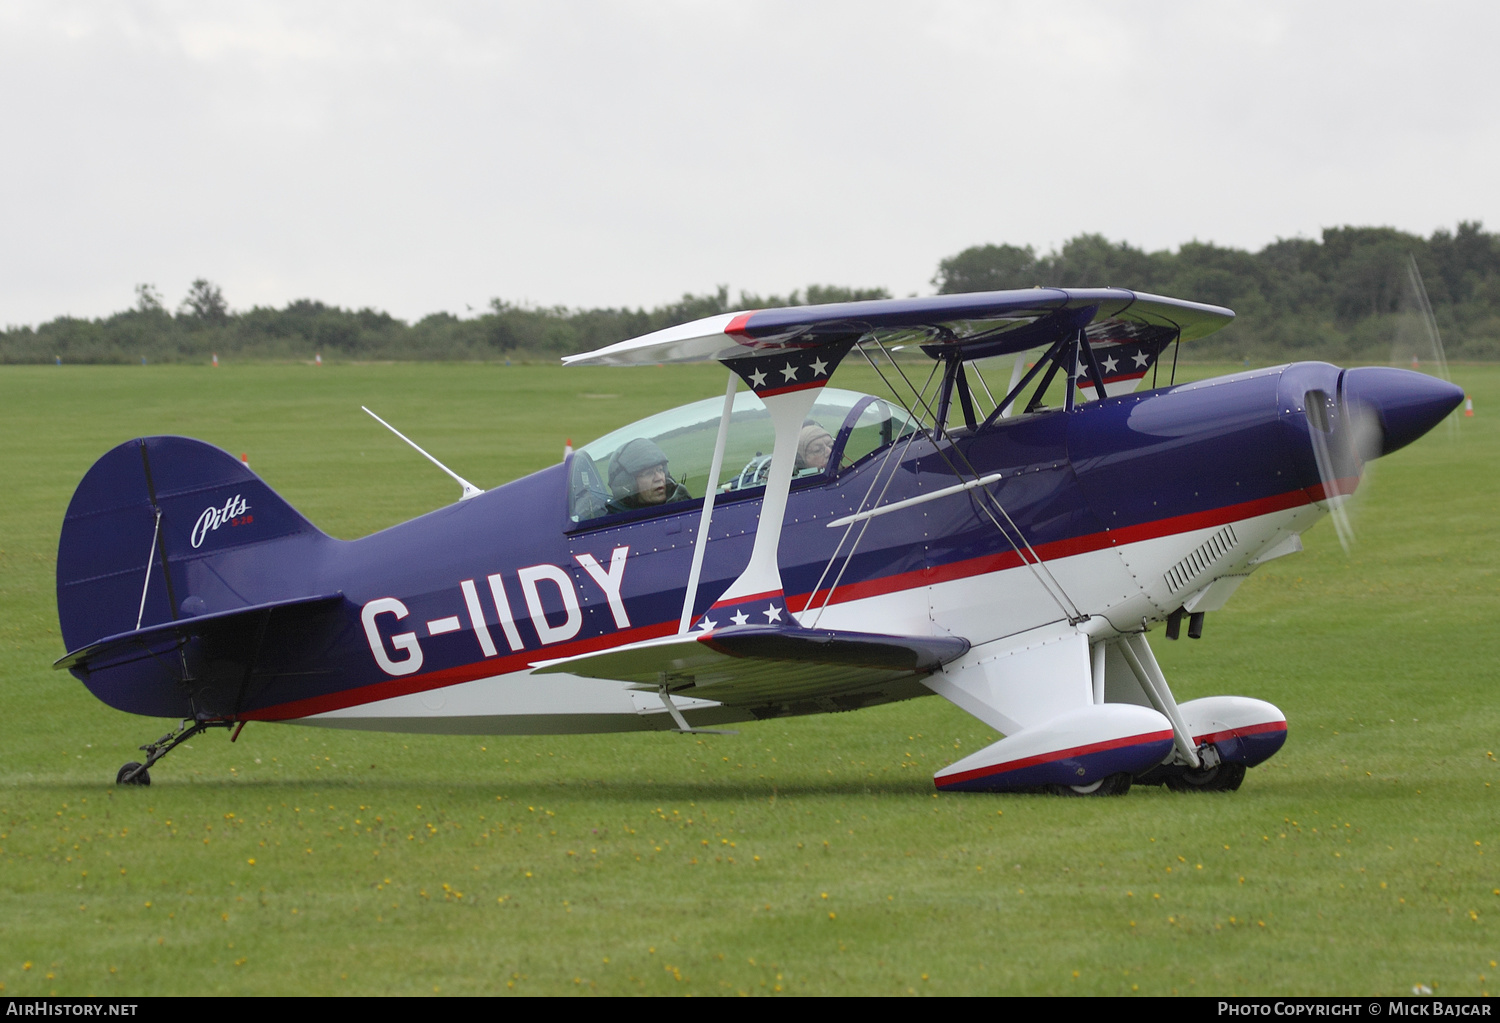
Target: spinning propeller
(1376, 409)
(1418, 333)
(1346, 435)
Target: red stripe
(389, 688)
(1062, 548)
(393, 687)
(1231, 733)
(738, 324)
(1082, 382)
(1345, 485)
(1047, 758)
(789, 389)
(732, 601)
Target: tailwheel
(1222, 777)
(133, 774)
(1114, 785)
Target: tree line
(1347, 296)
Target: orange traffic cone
(567, 449)
(318, 359)
(216, 360)
(244, 460)
(1468, 406)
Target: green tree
(148, 300)
(205, 303)
(988, 268)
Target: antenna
(470, 490)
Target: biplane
(1006, 543)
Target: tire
(1156, 776)
(1114, 785)
(1223, 777)
(143, 778)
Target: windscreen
(610, 474)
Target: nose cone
(1407, 404)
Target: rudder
(202, 519)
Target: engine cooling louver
(1199, 561)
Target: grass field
(801, 856)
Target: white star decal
(772, 613)
(1140, 360)
(757, 379)
(707, 624)
(819, 368)
(789, 373)
(1110, 363)
(739, 618)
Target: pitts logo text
(235, 512)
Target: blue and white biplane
(960, 538)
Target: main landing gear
(1211, 775)
(1222, 777)
(135, 773)
(1114, 785)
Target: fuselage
(1134, 505)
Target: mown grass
(801, 856)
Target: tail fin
(168, 528)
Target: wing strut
(700, 542)
(787, 382)
(1143, 664)
(682, 725)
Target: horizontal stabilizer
(154, 639)
(755, 664)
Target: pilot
(638, 477)
(814, 446)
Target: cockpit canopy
(857, 424)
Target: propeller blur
(981, 545)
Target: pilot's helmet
(813, 443)
(631, 460)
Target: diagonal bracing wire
(1037, 566)
(865, 524)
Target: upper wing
(751, 665)
(983, 323)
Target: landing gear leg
(135, 773)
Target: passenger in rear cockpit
(814, 446)
(638, 477)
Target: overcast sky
(427, 156)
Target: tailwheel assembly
(135, 773)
